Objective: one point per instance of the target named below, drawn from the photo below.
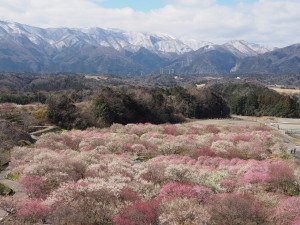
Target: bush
(40, 116)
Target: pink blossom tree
(34, 186)
(236, 209)
(32, 210)
(139, 213)
(287, 212)
(181, 190)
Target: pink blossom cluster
(148, 140)
(156, 174)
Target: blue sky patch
(234, 2)
(137, 5)
(147, 5)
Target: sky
(268, 22)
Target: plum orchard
(157, 174)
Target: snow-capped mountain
(244, 49)
(98, 50)
(117, 39)
(120, 40)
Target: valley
(146, 146)
(116, 112)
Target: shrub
(40, 116)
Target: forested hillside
(256, 100)
(111, 105)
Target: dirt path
(226, 122)
(46, 129)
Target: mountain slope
(244, 49)
(280, 61)
(209, 60)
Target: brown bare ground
(286, 91)
(200, 85)
(225, 122)
(263, 119)
(96, 77)
(212, 78)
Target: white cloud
(273, 22)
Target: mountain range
(113, 51)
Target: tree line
(114, 105)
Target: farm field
(192, 173)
